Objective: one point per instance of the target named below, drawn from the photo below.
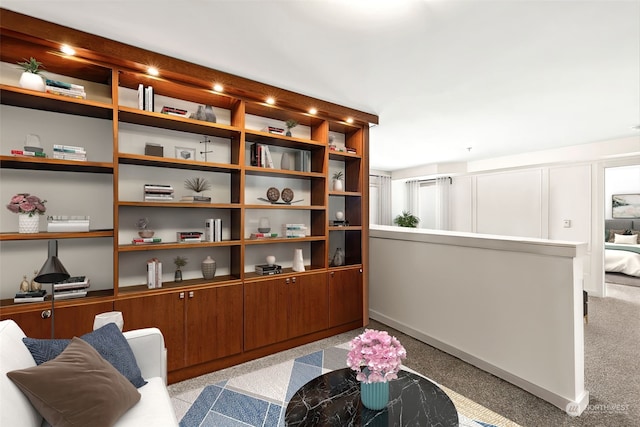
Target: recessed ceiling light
(66, 49)
(270, 100)
(313, 111)
(349, 120)
(153, 71)
(218, 87)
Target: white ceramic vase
(298, 260)
(32, 81)
(285, 161)
(28, 224)
(338, 185)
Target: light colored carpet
(259, 397)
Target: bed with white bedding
(622, 248)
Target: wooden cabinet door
(345, 296)
(163, 311)
(265, 311)
(308, 309)
(77, 320)
(214, 323)
(70, 321)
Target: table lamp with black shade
(52, 272)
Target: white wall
(456, 291)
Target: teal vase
(374, 395)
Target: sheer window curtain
(443, 186)
(413, 197)
(383, 205)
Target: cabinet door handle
(286, 280)
(190, 294)
(45, 314)
(333, 273)
(181, 295)
(360, 270)
(293, 280)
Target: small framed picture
(185, 153)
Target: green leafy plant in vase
(290, 124)
(338, 184)
(406, 220)
(31, 78)
(180, 262)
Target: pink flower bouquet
(376, 356)
(24, 203)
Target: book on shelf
(72, 283)
(33, 148)
(31, 296)
(148, 98)
(263, 235)
(71, 93)
(75, 293)
(70, 156)
(266, 269)
(154, 273)
(28, 153)
(273, 129)
(65, 223)
(188, 236)
(173, 111)
(143, 240)
(63, 85)
(158, 197)
(260, 156)
(200, 199)
(69, 149)
(213, 230)
(158, 188)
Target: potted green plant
(180, 262)
(406, 220)
(337, 181)
(31, 78)
(290, 124)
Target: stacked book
(158, 192)
(73, 287)
(173, 111)
(266, 269)
(188, 236)
(69, 152)
(65, 89)
(67, 223)
(261, 156)
(29, 152)
(154, 273)
(263, 235)
(196, 199)
(146, 240)
(273, 129)
(291, 231)
(31, 296)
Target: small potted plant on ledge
(290, 124)
(197, 185)
(337, 181)
(30, 78)
(180, 262)
(406, 220)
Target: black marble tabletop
(333, 399)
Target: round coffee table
(333, 399)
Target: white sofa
(153, 409)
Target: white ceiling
(503, 77)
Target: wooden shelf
(57, 235)
(260, 137)
(272, 240)
(39, 163)
(175, 245)
(18, 97)
(188, 205)
(189, 284)
(166, 162)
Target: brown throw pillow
(612, 234)
(77, 389)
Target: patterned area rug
(260, 398)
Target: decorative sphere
(339, 215)
(271, 260)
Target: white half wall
(511, 306)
